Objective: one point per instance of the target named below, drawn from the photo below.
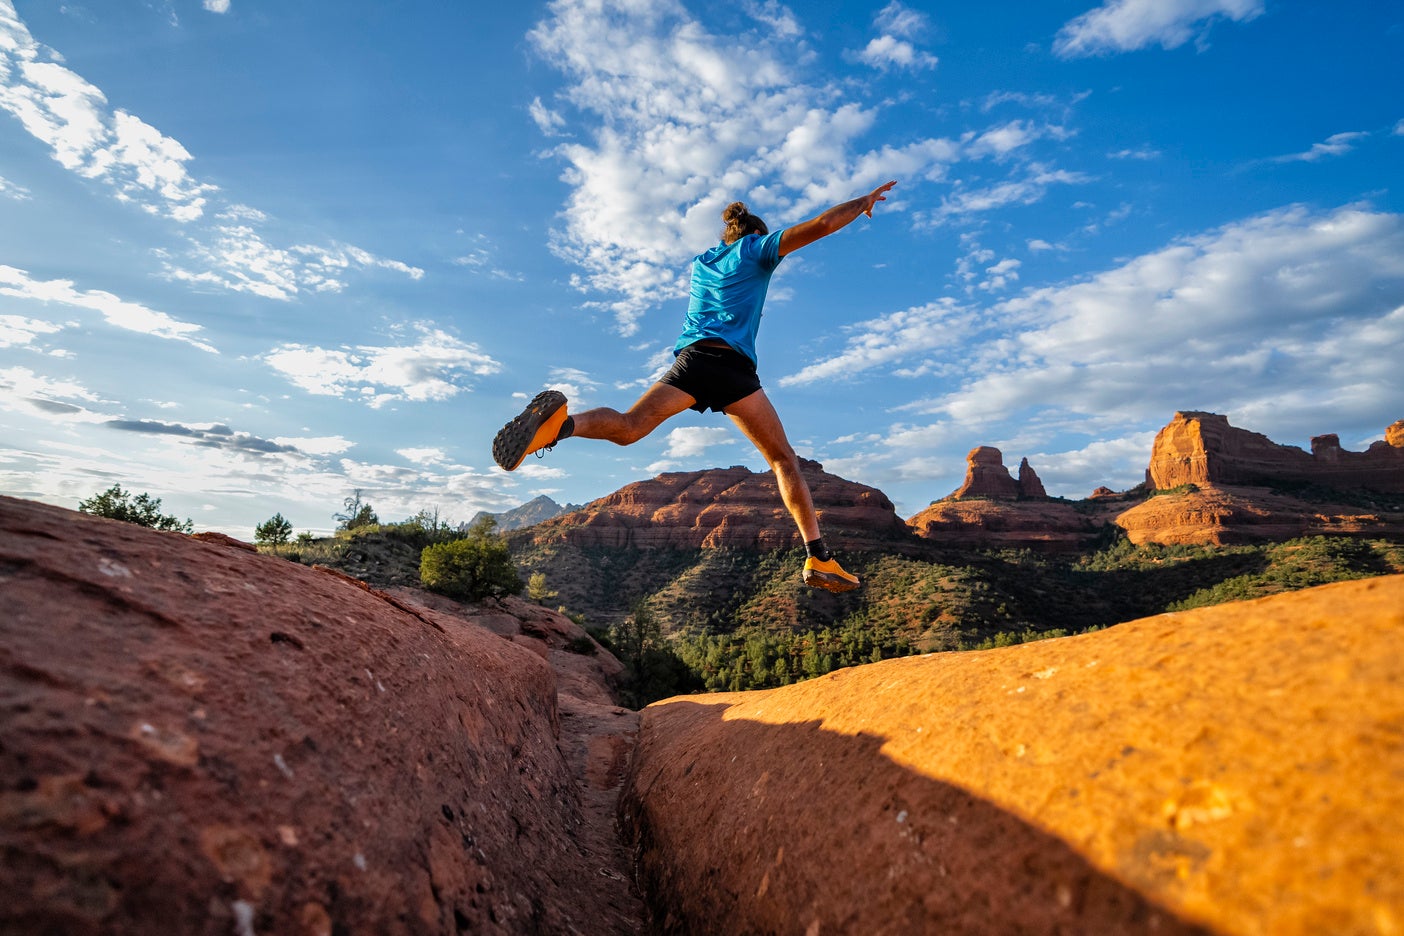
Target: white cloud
(1271, 319)
(690, 441)
(776, 17)
(549, 122)
(149, 170)
(319, 445)
(1125, 25)
(1142, 153)
(433, 368)
(12, 190)
(671, 132)
(884, 52)
(421, 455)
(217, 6)
(1399, 129)
(117, 312)
(901, 20)
(25, 391)
(16, 330)
(70, 115)
(1338, 144)
(236, 257)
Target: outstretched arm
(822, 225)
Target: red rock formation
(986, 476)
(1202, 448)
(1234, 769)
(725, 507)
(986, 524)
(1225, 515)
(200, 739)
(1030, 487)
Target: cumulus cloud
(691, 442)
(669, 130)
(893, 48)
(884, 52)
(1125, 25)
(116, 311)
(435, 367)
(1283, 313)
(71, 116)
(217, 6)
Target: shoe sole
(524, 434)
(829, 581)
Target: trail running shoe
(534, 429)
(828, 575)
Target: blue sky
(255, 254)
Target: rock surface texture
(725, 507)
(1202, 448)
(201, 739)
(1228, 770)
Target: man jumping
(714, 368)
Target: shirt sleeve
(768, 250)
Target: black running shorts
(714, 377)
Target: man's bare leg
(660, 402)
(756, 417)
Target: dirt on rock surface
(198, 739)
(1228, 770)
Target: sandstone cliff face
(732, 507)
(1228, 770)
(1202, 448)
(200, 739)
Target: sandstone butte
(1229, 476)
(732, 507)
(1202, 448)
(1231, 770)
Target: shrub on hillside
(141, 509)
(470, 569)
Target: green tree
(537, 590)
(357, 513)
(652, 669)
(142, 509)
(275, 531)
(470, 569)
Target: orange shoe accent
(535, 428)
(829, 575)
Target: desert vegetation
(728, 619)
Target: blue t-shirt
(728, 290)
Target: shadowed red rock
(1229, 770)
(200, 739)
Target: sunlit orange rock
(1202, 448)
(1229, 770)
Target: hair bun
(734, 212)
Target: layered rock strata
(1227, 770)
(1202, 448)
(725, 507)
